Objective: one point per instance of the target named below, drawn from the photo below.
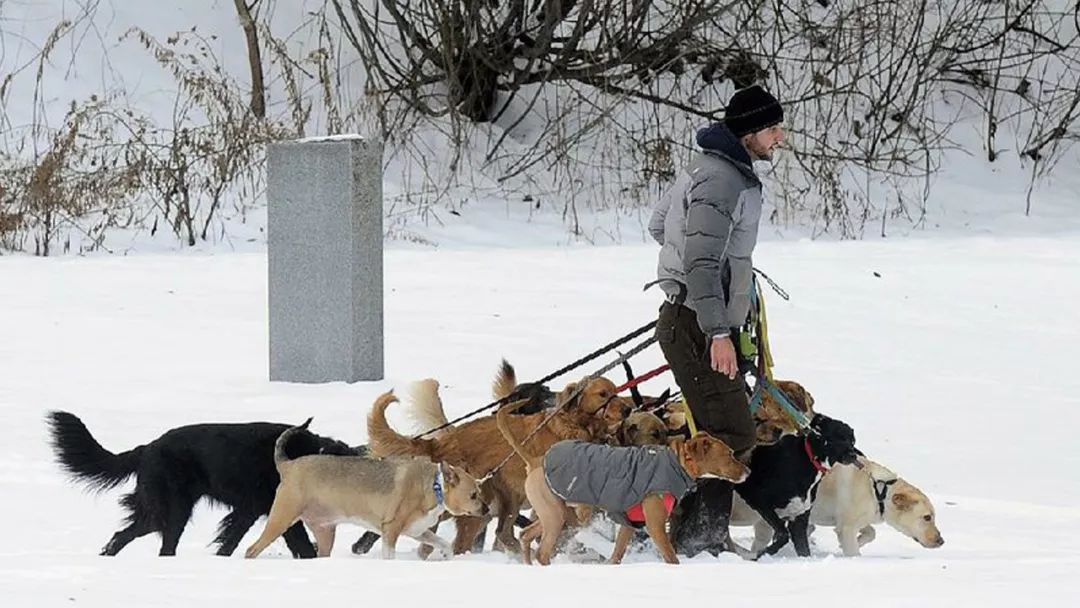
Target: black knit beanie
(752, 109)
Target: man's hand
(722, 356)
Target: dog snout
(626, 409)
(849, 457)
(939, 541)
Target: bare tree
(456, 57)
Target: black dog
(784, 479)
(231, 464)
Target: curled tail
(385, 441)
(427, 407)
(505, 380)
(505, 386)
(502, 420)
(280, 457)
(83, 457)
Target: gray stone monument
(325, 250)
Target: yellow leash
(746, 345)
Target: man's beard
(759, 152)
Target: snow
(338, 137)
(948, 344)
(955, 366)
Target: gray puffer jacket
(707, 223)
(613, 478)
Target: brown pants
(718, 403)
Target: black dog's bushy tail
(283, 439)
(83, 457)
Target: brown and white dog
(700, 456)
(396, 496)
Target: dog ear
(902, 501)
(706, 444)
(450, 474)
(565, 394)
(698, 445)
(806, 401)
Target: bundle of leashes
(756, 359)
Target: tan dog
(478, 446)
(772, 421)
(393, 496)
(639, 429)
(642, 428)
(702, 455)
(848, 500)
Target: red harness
(636, 513)
(813, 459)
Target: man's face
(761, 144)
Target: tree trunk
(258, 92)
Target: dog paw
(439, 555)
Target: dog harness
(614, 478)
(881, 492)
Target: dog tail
(83, 457)
(532, 461)
(385, 441)
(280, 457)
(505, 381)
(427, 407)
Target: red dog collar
(813, 459)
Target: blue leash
(763, 384)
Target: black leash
(775, 287)
(555, 374)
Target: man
(707, 223)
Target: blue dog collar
(437, 486)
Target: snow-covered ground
(955, 366)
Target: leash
(775, 287)
(762, 371)
(573, 395)
(758, 346)
(555, 374)
(766, 385)
(642, 378)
